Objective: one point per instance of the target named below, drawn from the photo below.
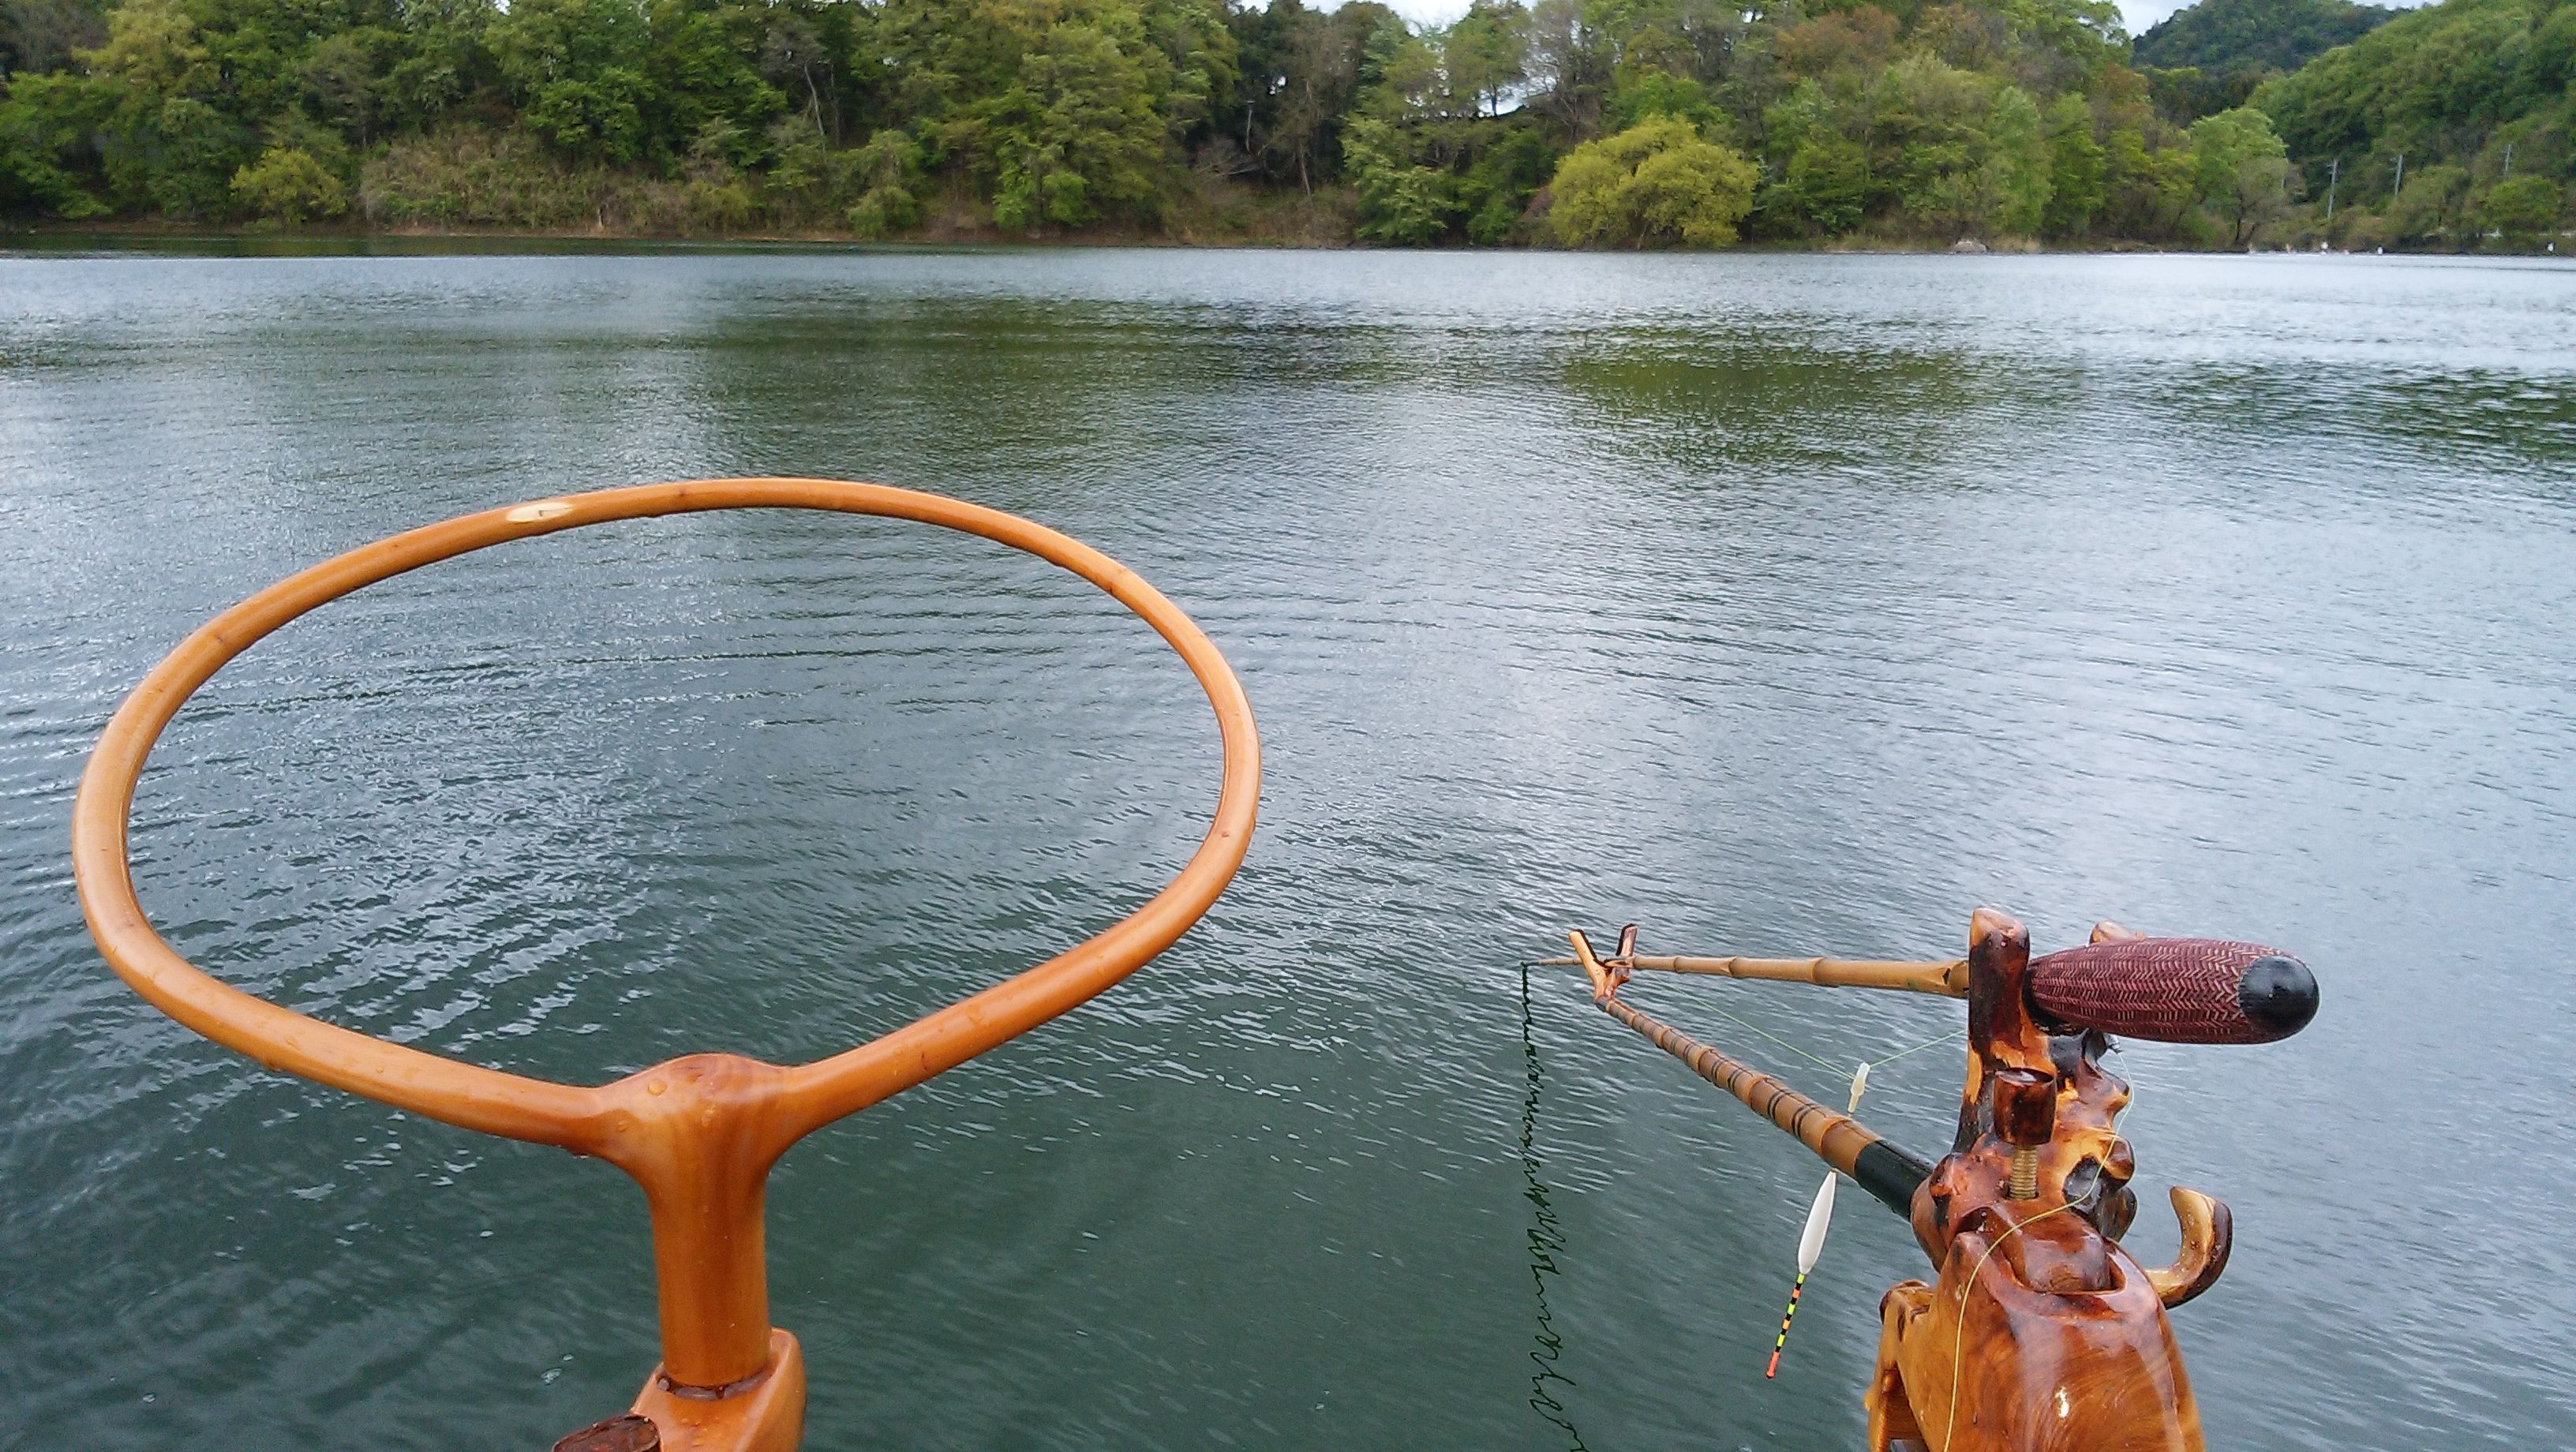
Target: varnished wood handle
(2178, 990)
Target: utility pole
(2401, 177)
(2508, 163)
(2334, 173)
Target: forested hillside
(2444, 127)
(2229, 37)
(2211, 56)
(1581, 122)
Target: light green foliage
(2077, 166)
(1928, 109)
(1657, 184)
(2434, 205)
(153, 48)
(2524, 207)
(1409, 77)
(889, 168)
(1400, 201)
(1823, 176)
(1827, 186)
(1646, 95)
(287, 185)
(2241, 170)
(2017, 165)
(2149, 190)
(1077, 132)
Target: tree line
(1563, 122)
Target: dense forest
(2446, 126)
(1564, 122)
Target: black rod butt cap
(2278, 995)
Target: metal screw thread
(2025, 1175)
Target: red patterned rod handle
(2177, 990)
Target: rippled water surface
(1783, 604)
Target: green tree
(48, 157)
(1401, 201)
(1076, 133)
(2018, 161)
(1654, 184)
(1486, 53)
(2231, 37)
(1928, 119)
(2441, 85)
(2150, 189)
(2434, 205)
(2241, 170)
(578, 71)
(889, 169)
(1821, 176)
(1825, 190)
(2522, 208)
(1509, 169)
(288, 186)
(2077, 169)
(1572, 59)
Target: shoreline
(361, 241)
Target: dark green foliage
(2222, 38)
(37, 36)
(2184, 96)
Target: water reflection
(1722, 404)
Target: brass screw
(2025, 1111)
(2025, 1174)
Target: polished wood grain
(698, 1133)
(2040, 1333)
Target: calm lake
(1783, 604)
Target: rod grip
(2176, 990)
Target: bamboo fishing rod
(1946, 977)
(1889, 1174)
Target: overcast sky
(2139, 14)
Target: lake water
(1783, 604)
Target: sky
(2136, 14)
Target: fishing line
(1820, 1215)
(1547, 1239)
(1918, 1048)
(1959, 1341)
(1811, 1240)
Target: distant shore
(344, 241)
